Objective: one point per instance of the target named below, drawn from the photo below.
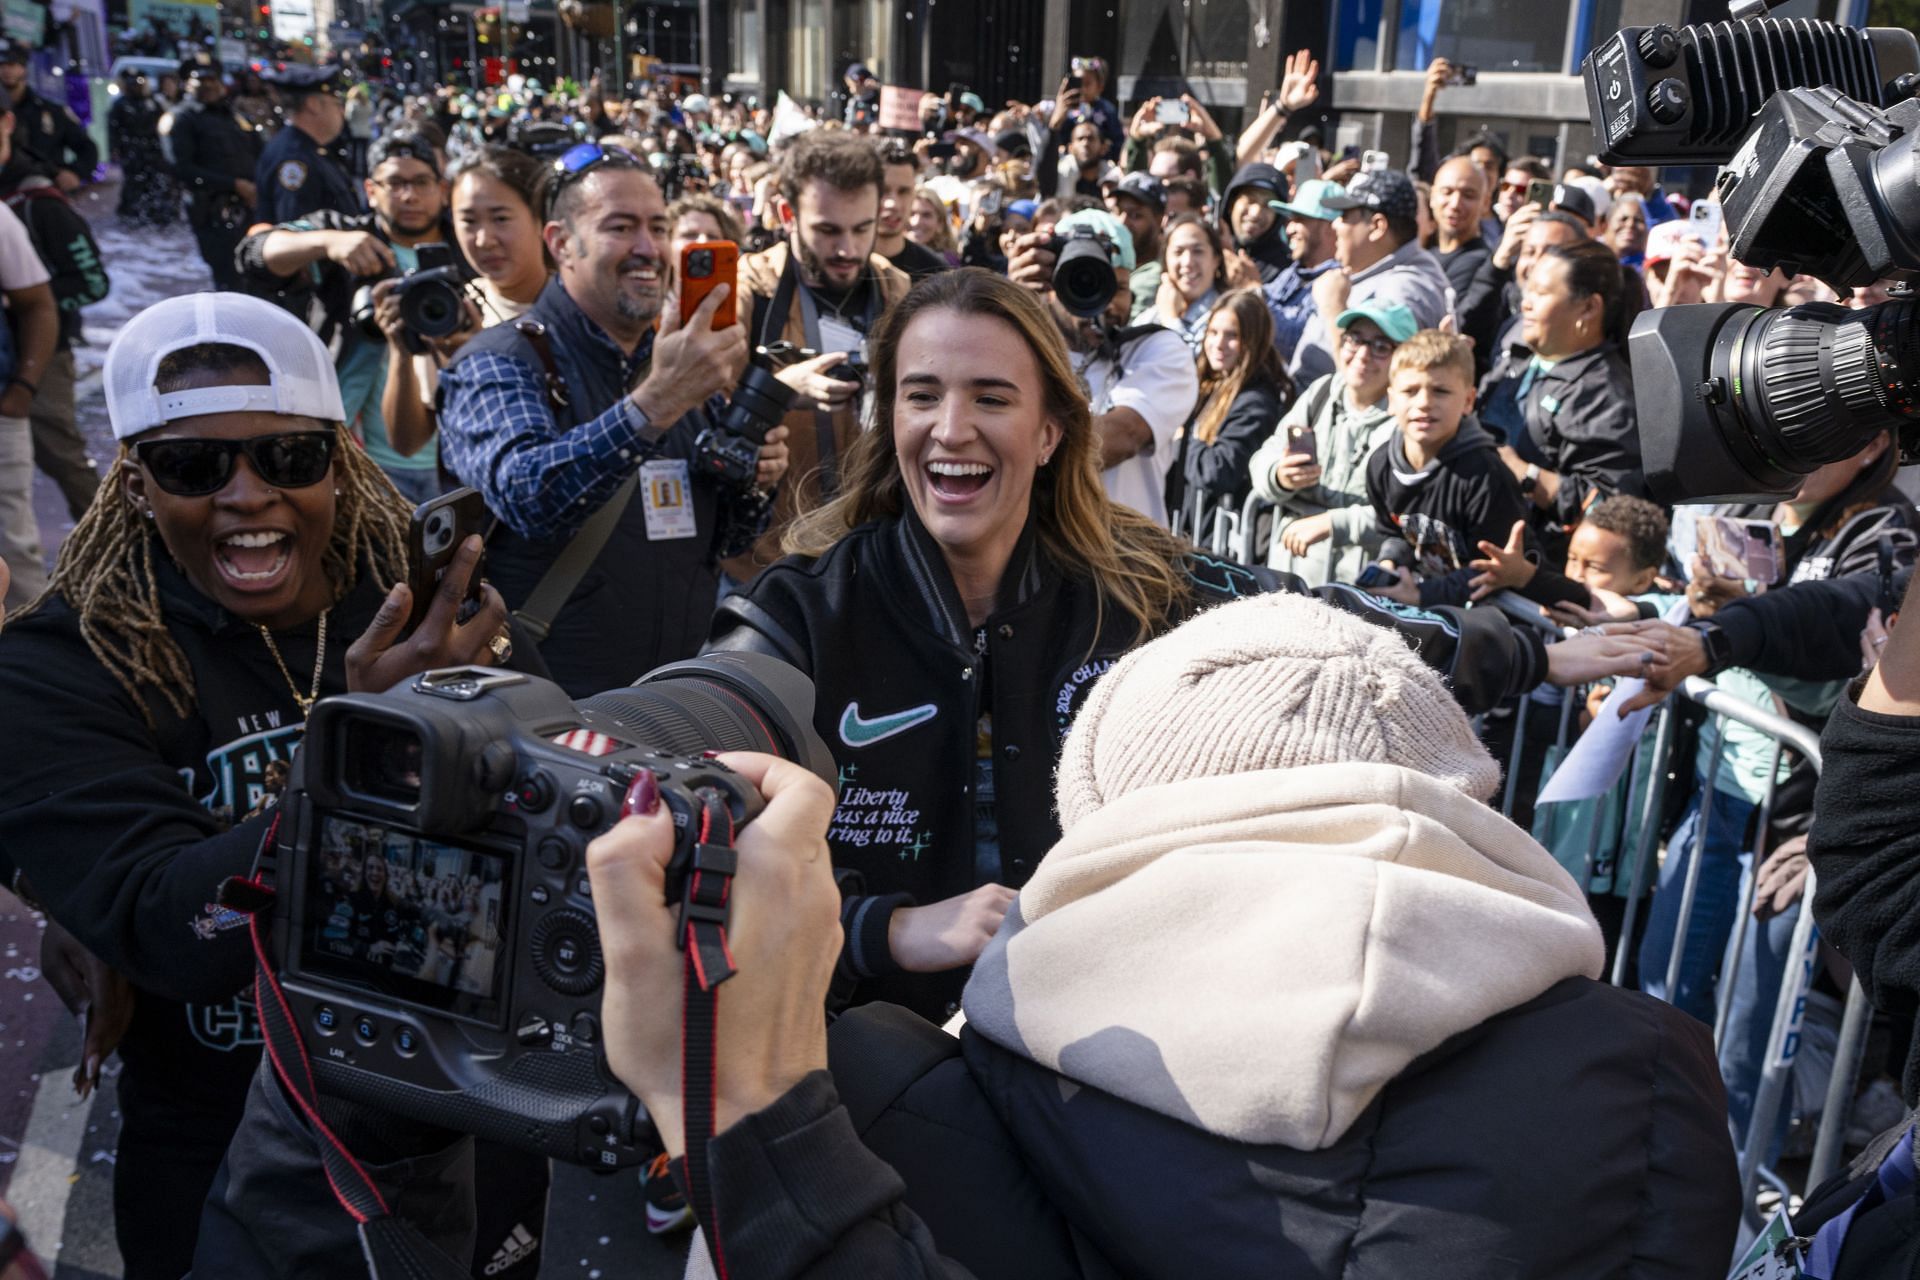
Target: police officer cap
(14, 51)
(297, 77)
(191, 67)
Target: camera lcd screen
(406, 916)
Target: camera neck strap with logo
(394, 1246)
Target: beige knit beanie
(1276, 681)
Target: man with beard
(214, 153)
(582, 426)
(899, 174)
(1252, 221)
(821, 289)
(1140, 201)
(1141, 382)
(147, 194)
(1309, 231)
(1084, 170)
(315, 265)
(47, 134)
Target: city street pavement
(56, 1153)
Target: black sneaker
(667, 1210)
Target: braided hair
(105, 570)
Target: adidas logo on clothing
(518, 1247)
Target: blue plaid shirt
(497, 434)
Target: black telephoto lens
(1083, 277)
(758, 404)
(1740, 402)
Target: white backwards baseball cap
(300, 373)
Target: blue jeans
(1716, 898)
(1764, 956)
(417, 485)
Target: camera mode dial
(566, 953)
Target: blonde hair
(943, 241)
(105, 568)
(1134, 563)
(1432, 349)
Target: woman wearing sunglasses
(242, 559)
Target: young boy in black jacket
(1439, 486)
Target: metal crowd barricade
(1784, 1033)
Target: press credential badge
(663, 492)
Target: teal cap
(1394, 319)
(1310, 201)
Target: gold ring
(502, 647)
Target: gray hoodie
(1345, 438)
(1409, 275)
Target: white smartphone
(1373, 161)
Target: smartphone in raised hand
(434, 535)
(705, 265)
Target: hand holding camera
(784, 937)
(821, 380)
(362, 253)
(692, 363)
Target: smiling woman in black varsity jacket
(954, 606)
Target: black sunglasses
(582, 159)
(191, 467)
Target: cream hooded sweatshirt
(1259, 953)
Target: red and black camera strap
(704, 912)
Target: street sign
(292, 19)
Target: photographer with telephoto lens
(591, 436)
(333, 268)
(1141, 380)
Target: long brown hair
(1133, 561)
(1259, 362)
(105, 568)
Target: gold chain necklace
(319, 661)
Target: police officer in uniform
(214, 153)
(49, 135)
(304, 168)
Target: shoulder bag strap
(556, 586)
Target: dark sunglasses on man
(193, 467)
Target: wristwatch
(1717, 644)
(1530, 481)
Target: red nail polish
(709, 755)
(643, 797)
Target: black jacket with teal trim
(902, 680)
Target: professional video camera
(730, 449)
(432, 298)
(1083, 277)
(434, 929)
(1817, 124)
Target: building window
(1492, 35)
(743, 41)
(807, 49)
(1357, 38)
(865, 28)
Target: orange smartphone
(704, 264)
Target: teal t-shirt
(363, 379)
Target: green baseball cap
(1310, 201)
(1393, 319)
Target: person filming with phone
(600, 445)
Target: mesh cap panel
(301, 371)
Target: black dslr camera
(1817, 124)
(730, 449)
(434, 928)
(432, 298)
(1083, 277)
